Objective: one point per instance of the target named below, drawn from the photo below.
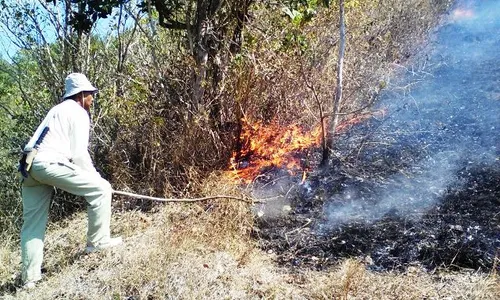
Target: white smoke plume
(450, 118)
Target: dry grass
(351, 281)
(8, 261)
(204, 251)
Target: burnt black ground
(463, 231)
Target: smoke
(275, 193)
(443, 120)
(406, 195)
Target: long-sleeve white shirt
(67, 138)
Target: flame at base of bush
(264, 146)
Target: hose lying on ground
(184, 199)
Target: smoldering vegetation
(420, 185)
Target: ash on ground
(461, 231)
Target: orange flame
(268, 146)
(274, 145)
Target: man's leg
(36, 203)
(96, 190)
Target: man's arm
(80, 141)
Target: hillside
(175, 253)
(406, 208)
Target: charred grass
(460, 231)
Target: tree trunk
(338, 90)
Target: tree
(338, 89)
(51, 46)
(45, 32)
(213, 30)
(10, 134)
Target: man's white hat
(76, 83)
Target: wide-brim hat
(76, 83)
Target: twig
(297, 230)
(321, 114)
(184, 199)
(308, 221)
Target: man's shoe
(104, 245)
(30, 285)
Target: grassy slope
(201, 251)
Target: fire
(265, 146)
(272, 145)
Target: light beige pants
(37, 191)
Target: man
(62, 160)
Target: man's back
(68, 135)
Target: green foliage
(301, 12)
(20, 112)
(10, 208)
(87, 12)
